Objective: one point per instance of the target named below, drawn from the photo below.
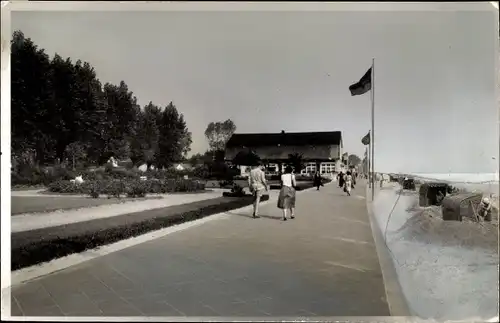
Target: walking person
(348, 183)
(341, 179)
(258, 185)
(317, 180)
(286, 198)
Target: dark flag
(364, 85)
(366, 139)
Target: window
(272, 168)
(310, 168)
(327, 168)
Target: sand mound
(427, 226)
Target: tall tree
(122, 116)
(353, 160)
(145, 143)
(30, 93)
(90, 109)
(65, 104)
(175, 138)
(218, 133)
(61, 110)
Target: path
(323, 263)
(32, 221)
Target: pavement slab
(322, 263)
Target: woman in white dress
(348, 183)
(286, 198)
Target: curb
(395, 297)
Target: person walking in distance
(341, 179)
(286, 198)
(348, 183)
(258, 185)
(317, 180)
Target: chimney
(282, 132)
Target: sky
(436, 109)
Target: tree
(296, 161)
(364, 163)
(65, 106)
(198, 159)
(61, 110)
(246, 158)
(30, 92)
(76, 152)
(218, 133)
(122, 116)
(353, 160)
(90, 111)
(145, 144)
(175, 138)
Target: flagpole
(372, 139)
(367, 169)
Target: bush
(120, 173)
(35, 175)
(201, 172)
(137, 189)
(167, 174)
(117, 188)
(226, 183)
(94, 191)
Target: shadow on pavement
(261, 215)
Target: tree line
(61, 112)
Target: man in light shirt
(258, 185)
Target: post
(372, 139)
(368, 166)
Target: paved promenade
(323, 263)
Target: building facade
(321, 151)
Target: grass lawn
(27, 188)
(32, 204)
(40, 245)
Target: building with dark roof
(321, 151)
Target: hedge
(300, 185)
(131, 187)
(36, 246)
(33, 176)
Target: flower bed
(36, 246)
(33, 176)
(130, 187)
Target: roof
(285, 138)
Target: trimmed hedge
(300, 185)
(132, 188)
(236, 194)
(36, 246)
(32, 176)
